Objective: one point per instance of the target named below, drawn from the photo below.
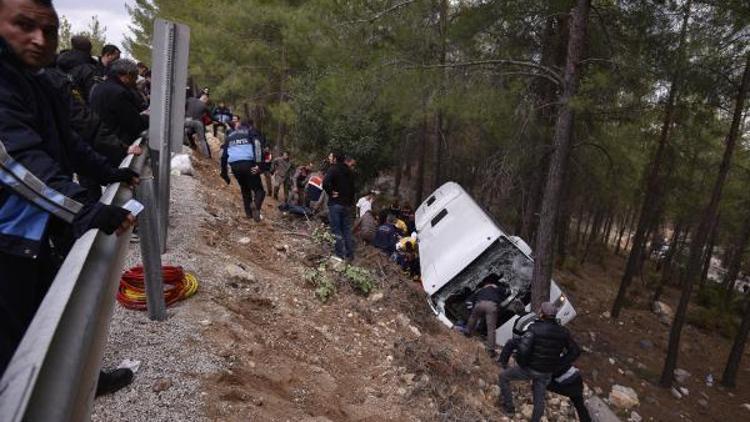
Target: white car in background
(459, 245)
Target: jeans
(573, 389)
(250, 186)
(488, 310)
(539, 382)
(340, 219)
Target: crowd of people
(66, 121)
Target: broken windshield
(502, 258)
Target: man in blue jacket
(243, 152)
(41, 209)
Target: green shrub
(324, 286)
(322, 235)
(360, 278)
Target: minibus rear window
(431, 200)
(439, 217)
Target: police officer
(243, 152)
(41, 208)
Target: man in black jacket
(116, 106)
(82, 68)
(39, 217)
(485, 303)
(543, 349)
(339, 185)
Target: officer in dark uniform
(243, 152)
(42, 209)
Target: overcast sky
(112, 14)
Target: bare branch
(547, 73)
(380, 14)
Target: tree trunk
(648, 207)
(397, 176)
(598, 216)
(629, 238)
(623, 225)
(439, 141)
(540, 284)
(281, 129)
(729, 378)
(579, 222)
(666, 263)
(563, 224)
(735, 263)
(701, 234)
(421, 153)
(607, 232)
(708, 254)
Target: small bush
(360, 278)
(323, 236)
(324, 286)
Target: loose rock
(681, 375)
(162, 384)
(623, 397)
(235, 273)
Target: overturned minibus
(459, 245)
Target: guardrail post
(169, 57)
(151, 250)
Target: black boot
(109, 382)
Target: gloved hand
(109, 218)
(124, 175)
(225, 176)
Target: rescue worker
(542, 350)
(243, 151)
(387, 236)
(485, 303)
(42, 210)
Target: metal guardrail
(53, 374)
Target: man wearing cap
(542, 350)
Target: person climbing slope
(242, 151)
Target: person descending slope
(242, 151)
(543, 349)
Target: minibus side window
(439, 217)
(431, 200)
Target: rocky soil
(255, 343)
